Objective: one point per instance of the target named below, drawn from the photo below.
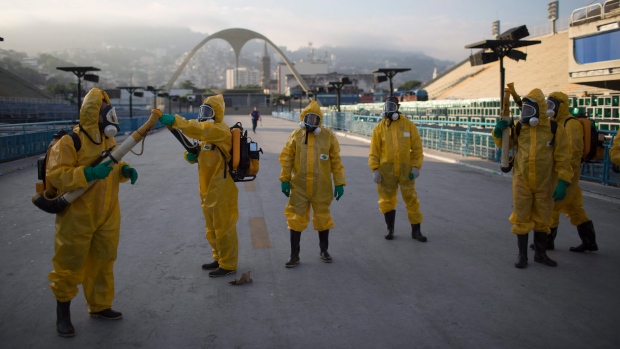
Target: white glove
(415, 172)
(376, 176)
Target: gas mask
(530, 112)
(206, 113)
(553, 106)
(109, 127)
(390, 109)
(311, 123)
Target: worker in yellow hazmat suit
(395, 159)
(87, 232)
(218, 192)
(572, 204)
(542, 160)
(309, 160)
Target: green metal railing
(467, 138)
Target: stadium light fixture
(80, 72)
(503, 46)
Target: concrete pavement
(458, 290)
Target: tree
(410, 85)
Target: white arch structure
(237, 38)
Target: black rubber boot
(107, 314)
(294, 260)
(588, 238)
(522, 243)
(550, 239)
(416, 233)
(219, 272)
(540, 248)
(390, 217)
(64, 327)
(211, 266)
(324, 244)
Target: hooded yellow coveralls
(309, 168)
(395, 149)
(218, 191)
(572, 204)
(87, 232)
(614, 152)
(537, 167)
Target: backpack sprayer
(61, 202)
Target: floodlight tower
(338, 85)
(132, 92)
(80, 72)
(503, 46)
(388, 74)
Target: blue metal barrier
(23, 140)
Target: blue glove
(499, 127)
(130, 172)
(560, 190)
(338, 192)
(286, 188)
(100, 171)
(191, 157)
(167, 119)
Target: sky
(438, 28)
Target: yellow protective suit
(395, 149)
(309, 169)
(572, 205)
(218, 193)
(614, 152)
(87, 232)
(537, 167)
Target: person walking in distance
(255, 117)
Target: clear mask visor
(206, 113)
(312, 120)
(390, 107)
(551, 104)
(111, 116)
(528, 111)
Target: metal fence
(459, 137)
(23, 140)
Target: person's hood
(563, 110)
(312, 108)
(89, 113)
(217, 103)
(537, 95)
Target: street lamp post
(388, 74)
(80, 72)
(338, 85)
(131, 90)
(154, 90)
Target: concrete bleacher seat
(546, 67)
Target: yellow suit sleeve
(561, 155)
(374, 156)
(336, 163)
(417, 153)
(62, 169)
(287, 158)
(204, 131)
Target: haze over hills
(149, 56)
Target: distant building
(245, 76)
